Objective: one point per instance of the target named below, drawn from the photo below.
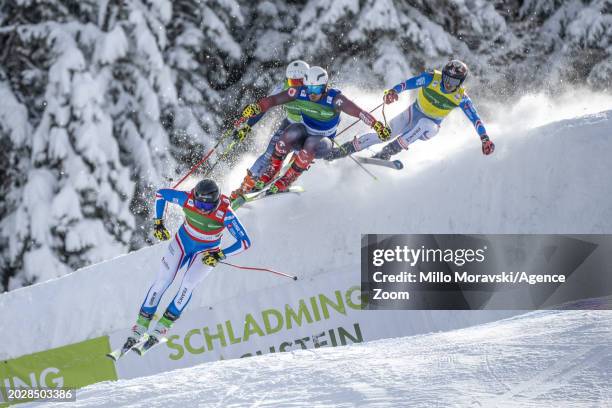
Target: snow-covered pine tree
(206, 57)
(96, 142)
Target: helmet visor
(295, 82)
(206, 201)
(204, 206)
(315, 89)
(450, 83)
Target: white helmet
(316, 76)
(296, 69)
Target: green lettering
(266, 314)
(344, 334)
(302, 342)
(338, 307)
(210, 337)
(315, 308)
(188, 345)
(349, 295)
(251, 327)
(302, 312)
(179, 349)
(230, 333)
(284, 345)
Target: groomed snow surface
(547, 358)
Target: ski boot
(268, 175)
(341, 151)
(139, 335)
(138, 331)
(389, 150)
(301, 163)
(158, 335)
(247, 185)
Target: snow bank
(565, 360)
(550, 179)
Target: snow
(216, 29)
(447, 186)
(547, 358)
(13, 116)
(111, 46)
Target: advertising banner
(323, 311)
(68, 367)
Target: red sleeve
(277, 99)
(343, 104)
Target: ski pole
(355, 122)
(251, 268)
(222, 156)
(351, 156)
(356, 161)
(198, 164)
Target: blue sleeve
(470, 111)
(253, 121)
(419, 81)
(167, 194)
(233, 225)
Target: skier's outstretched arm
(254, 109)
(343, 104)
(165, 195)
(419, 81)
(253, 120)
(161, 199)
(470, 111)
(234, 226)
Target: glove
(488, 146)
(383, 132)
(251, 110)
(160, 231)
(241, 132)
(390, 96)
(212, 258)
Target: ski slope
(549, 174)
(548, 358)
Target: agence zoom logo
(413, 256)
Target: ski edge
(392, 164)
(258, 195)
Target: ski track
(548, 358)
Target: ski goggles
(315, 89)
(295, 82)
(451, 83)
(207, 201)
(204, 205)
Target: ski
(144, 347)
(121, 351)
(258, 195)
(392, 164)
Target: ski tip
(113, 356)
